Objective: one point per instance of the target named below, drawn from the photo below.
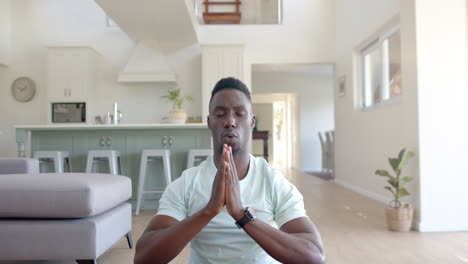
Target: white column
(441, 51)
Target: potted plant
(399, 216)
(177, 115)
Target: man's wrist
(239, 213)
(207, 211)
(249, 216)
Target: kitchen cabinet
(219, 61)
(5, 25)
(71, 73)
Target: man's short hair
(231, 83)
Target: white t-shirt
(273, 198)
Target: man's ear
(208, 121)
(254, 120)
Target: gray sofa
(51, 216)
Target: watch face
(23, 89)
(250, 213)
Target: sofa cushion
(18, 165)
(61, 195)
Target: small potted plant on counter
(177, 115)
(399, 216)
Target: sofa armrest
(18, 166)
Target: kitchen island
(128, 139)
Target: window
(380, 68)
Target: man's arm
(297, 241)
(165, 236)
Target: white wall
(35, 25)
(315, 107)
(4, 31)
(365, 139)
(441, 41)
(306, 35)
(430, 117)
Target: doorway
(307, 93)
(277, 114)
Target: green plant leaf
(400, 154)
(397, 183)
(402, 193)
(390, 190)
(174, 97)
(393, 183)
(406, 179)
(394, 163)
(405, 156)
(384, 173)
(178, 102)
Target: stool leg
(167, 168)
(58, 164)
(112, 166)
(141, 182)
(129, 240)
(190, 160)
(119, 165)
(89, 164)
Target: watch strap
(248, 217)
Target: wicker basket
(399, 219)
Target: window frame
(377, 41)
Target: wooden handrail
(234, 2)
(229, 16)
(220, 14)
(222, 3)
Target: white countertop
(109, 127)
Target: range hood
(147, 64)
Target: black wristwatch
(249, 216)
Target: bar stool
(59, 158)
(197, 154)
(111, 156)
(146, 156)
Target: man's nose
(230, 121)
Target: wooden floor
(352, 228)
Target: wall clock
(23, 89)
